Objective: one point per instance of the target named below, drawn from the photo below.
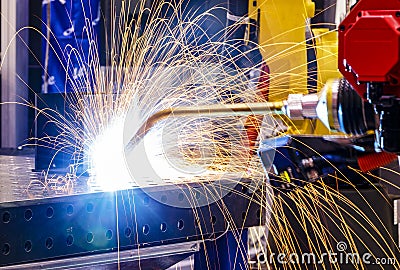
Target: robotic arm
(369, 59)
(366, 101)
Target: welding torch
(214, 110)
(337, 106)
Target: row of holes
(90, 207)
(90, 237)
(180, 225)
(49, 213)
(163, 227)
(69, 241)
(28, 214)
(109, 234)
(181, 196)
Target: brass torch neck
(214, 110)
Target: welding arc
(215, 110)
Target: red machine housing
(369, 46)
(369, 59)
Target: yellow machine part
(326, 42)
(282, 40)
(327, 61)
(282, 28)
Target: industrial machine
(362, 107)
(352, 122)
(371, 66)
(332, 122)
(363, 104)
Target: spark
(160, 67)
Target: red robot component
(369, 59)
(369, 45)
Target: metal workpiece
(215, 110)
(299, 106)
(46, 225)
(149, 258)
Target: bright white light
(108, 167)
(111, 168)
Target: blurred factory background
(22, 69)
